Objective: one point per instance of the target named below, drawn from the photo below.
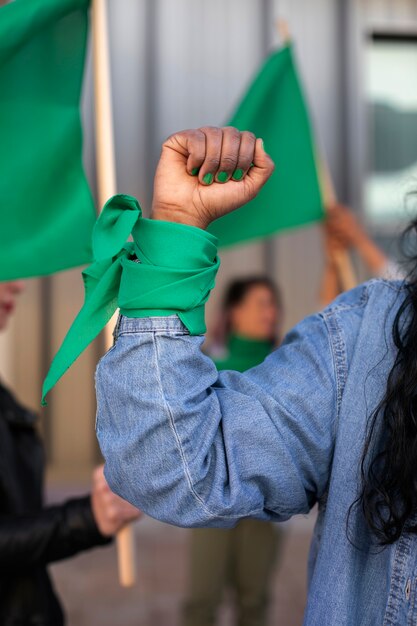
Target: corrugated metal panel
(206, 54)
(130, 62)
(298, 256)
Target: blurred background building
(185, 63)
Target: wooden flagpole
(106, 187)
(343, 265)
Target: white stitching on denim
(182, 453)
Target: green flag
(46, 209)
(274, 109)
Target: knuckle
(196, 134)
(197, 153)
(212, 162)
(103, 486)
(213, 134)
(244, 161)
(174, 137)
(228, 161)
(233, 138)
(249, 135)
(98, 489)
(211, 129)
(171, 138)
(112, 513)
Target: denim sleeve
(194, 447)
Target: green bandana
(167, 269)
(244, 353)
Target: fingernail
(208, 179)
(262, 144)
(195, 171)
(237, 174)
(222, 177)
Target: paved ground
(92, 597)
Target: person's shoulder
(378, 291)
(366, 312)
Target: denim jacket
(195, 447)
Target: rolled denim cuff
(168, 325)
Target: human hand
(206, 173)
(110, 511)
(342, 227)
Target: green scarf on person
(243, 353)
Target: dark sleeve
(55, 533)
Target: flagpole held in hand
(341, 259)
(106, 186)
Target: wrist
(178, 216)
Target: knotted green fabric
(167, 269)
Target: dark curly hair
(388, 497)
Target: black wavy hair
(388, 496)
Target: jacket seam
(155, 330)
(338, 342)
(185, 465)
(339, 357)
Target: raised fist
(205, 173)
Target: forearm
(371, 254)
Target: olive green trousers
(242, 558)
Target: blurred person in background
(243, 557)
(343, 231)
(33, 535)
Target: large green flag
(274, 108)
(46, 208)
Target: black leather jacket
(31, 535)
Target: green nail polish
(222, 177)
(195, 171)
(208, 179)
(237, 174)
